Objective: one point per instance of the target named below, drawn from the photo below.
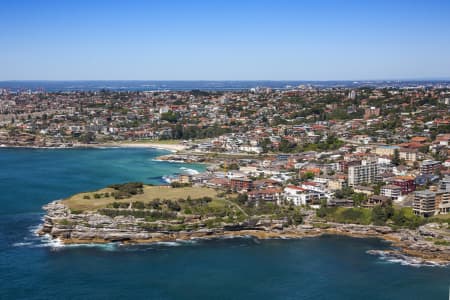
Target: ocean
(206, 85)
(329, 267)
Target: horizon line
(236, 80)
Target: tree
(378, 215)
(308, 176)
(169, 116)
(358, 198)
(396, 158)
(87, 138)
(242, 198)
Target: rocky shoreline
(90, 227)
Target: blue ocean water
(187, 85)
(329, 267)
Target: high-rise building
(365, 172)
(352, 95)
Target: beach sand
(170, 147)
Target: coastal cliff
(92, 227)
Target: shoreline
(93, 228)
(174, 148)
(397, 249)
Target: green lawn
(78, 201)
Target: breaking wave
(404, 260)
(190, 171)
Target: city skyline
(324, 40)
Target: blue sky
(224, 40)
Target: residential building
(392, 191)
(300, 196)
(430, 167)
(407, 183)
(375, 200)
(424, 203)
(241, 184)
(266, 195)
(409, 155)
(363, 190)
(365, 172)
(336, 183)
(442, 205)
(444, 184)
(386, 150)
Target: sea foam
(404, 260)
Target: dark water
(315, 268)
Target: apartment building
(424, 203)
(430, 167)
(365, 172)
(392, 191)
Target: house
(218, 183)
(341, 202)
(363, 190)
(185, 178)
(419, 139)
(265, 183)
(300, 196)
(386, 150)
(375, 200)
(268, 195)
(336, 183)
(294, 194)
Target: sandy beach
(162, 146)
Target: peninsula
(139, 213)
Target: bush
(352, 214)
(118, 205)
(126, 190)
(173, 205)
(138, 205)
(86, 197)
(442, 243)
(148, 215)
(176, 184)
(403, 218)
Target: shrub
(138, 205)
(126, 190)
(176, 184)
